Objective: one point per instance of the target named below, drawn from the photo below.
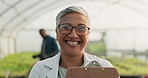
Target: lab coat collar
(53, 67)
(88, 58)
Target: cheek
(57, 35)
(87, 36)
(84, 39)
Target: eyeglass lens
(67, 28)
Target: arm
(34, 73)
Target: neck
(74, 61)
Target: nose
(73, 33)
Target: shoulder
(47, 63)
(40, 65)
(51, 38)
(34, 73)
(40, 69)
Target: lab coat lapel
(88, 59)
(53, 73)
(53, 67)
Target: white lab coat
(48, 68)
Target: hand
(34, 56)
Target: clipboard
(92, 72)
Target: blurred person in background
(49, 46)
(72, 31)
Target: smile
(73, 42)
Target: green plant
(129, 66)
(17, 64)
(96, 47)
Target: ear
(56, 34)
(89, 32)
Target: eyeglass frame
(72, 28)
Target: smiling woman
(72, 33)
(124, 24)
(65, 40)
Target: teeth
(72, 43)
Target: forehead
(74, 19)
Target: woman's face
(73, 44)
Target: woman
(72, 30)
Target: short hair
(71, 9)
(41, 30)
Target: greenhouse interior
(118, 31)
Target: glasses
(66, 29)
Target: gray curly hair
(71, 9)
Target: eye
(81, 28)
(64, 27)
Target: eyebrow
(82, 24)
(72, 25)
